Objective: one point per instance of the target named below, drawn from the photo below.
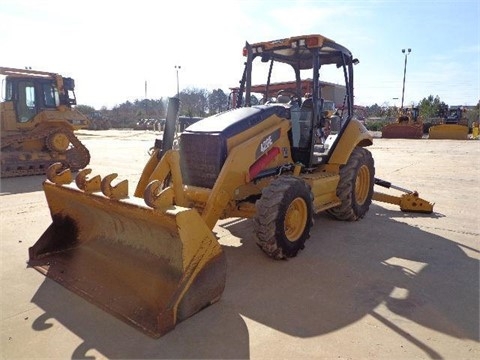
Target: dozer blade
(151, 268)
(448, 131)
(402, 131)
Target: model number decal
(267, 143)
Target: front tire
(355, 188)
(284, 217)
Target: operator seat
(283, 99)
(307, 104)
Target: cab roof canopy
(298, 51)
(13, 72)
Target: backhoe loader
(38, 122)
(152, 259)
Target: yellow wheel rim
(296, 219)
(362, 185)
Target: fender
(355, 134)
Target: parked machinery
(38, 122)
(407, 126)
(454, 125)
(152, 259)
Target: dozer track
(19, 162)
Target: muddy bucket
(148, 267)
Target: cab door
(26, 101)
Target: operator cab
(32, 95)
(316, 124)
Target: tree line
(195, 102)
(429, 107)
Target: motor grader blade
(149, 267)
(408, 202)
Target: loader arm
(237, 169)
(244, 161)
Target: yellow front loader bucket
(448, 131)
(149, 267)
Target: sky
(112, 48)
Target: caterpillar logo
(267, 142)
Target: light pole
(146, 101)
(178, 67)
(404, 73)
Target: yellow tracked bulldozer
(151, 259)
(38, 121)
(454, 125)
(407, 126)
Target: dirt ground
(391, 286)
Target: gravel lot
(391, 286)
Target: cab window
(8, 96)
(50, 95)
(26, 101)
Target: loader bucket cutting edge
(149, 268)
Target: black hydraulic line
(388, 185)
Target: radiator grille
(201, 158)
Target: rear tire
(284, 217)
(355, 188)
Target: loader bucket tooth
(58, 176)
(119, 191)
(88, 185)
(158, 199)
(149, 268)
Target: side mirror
(69, 84)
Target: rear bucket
(448, 131)
(402, 131)
(149, 268)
